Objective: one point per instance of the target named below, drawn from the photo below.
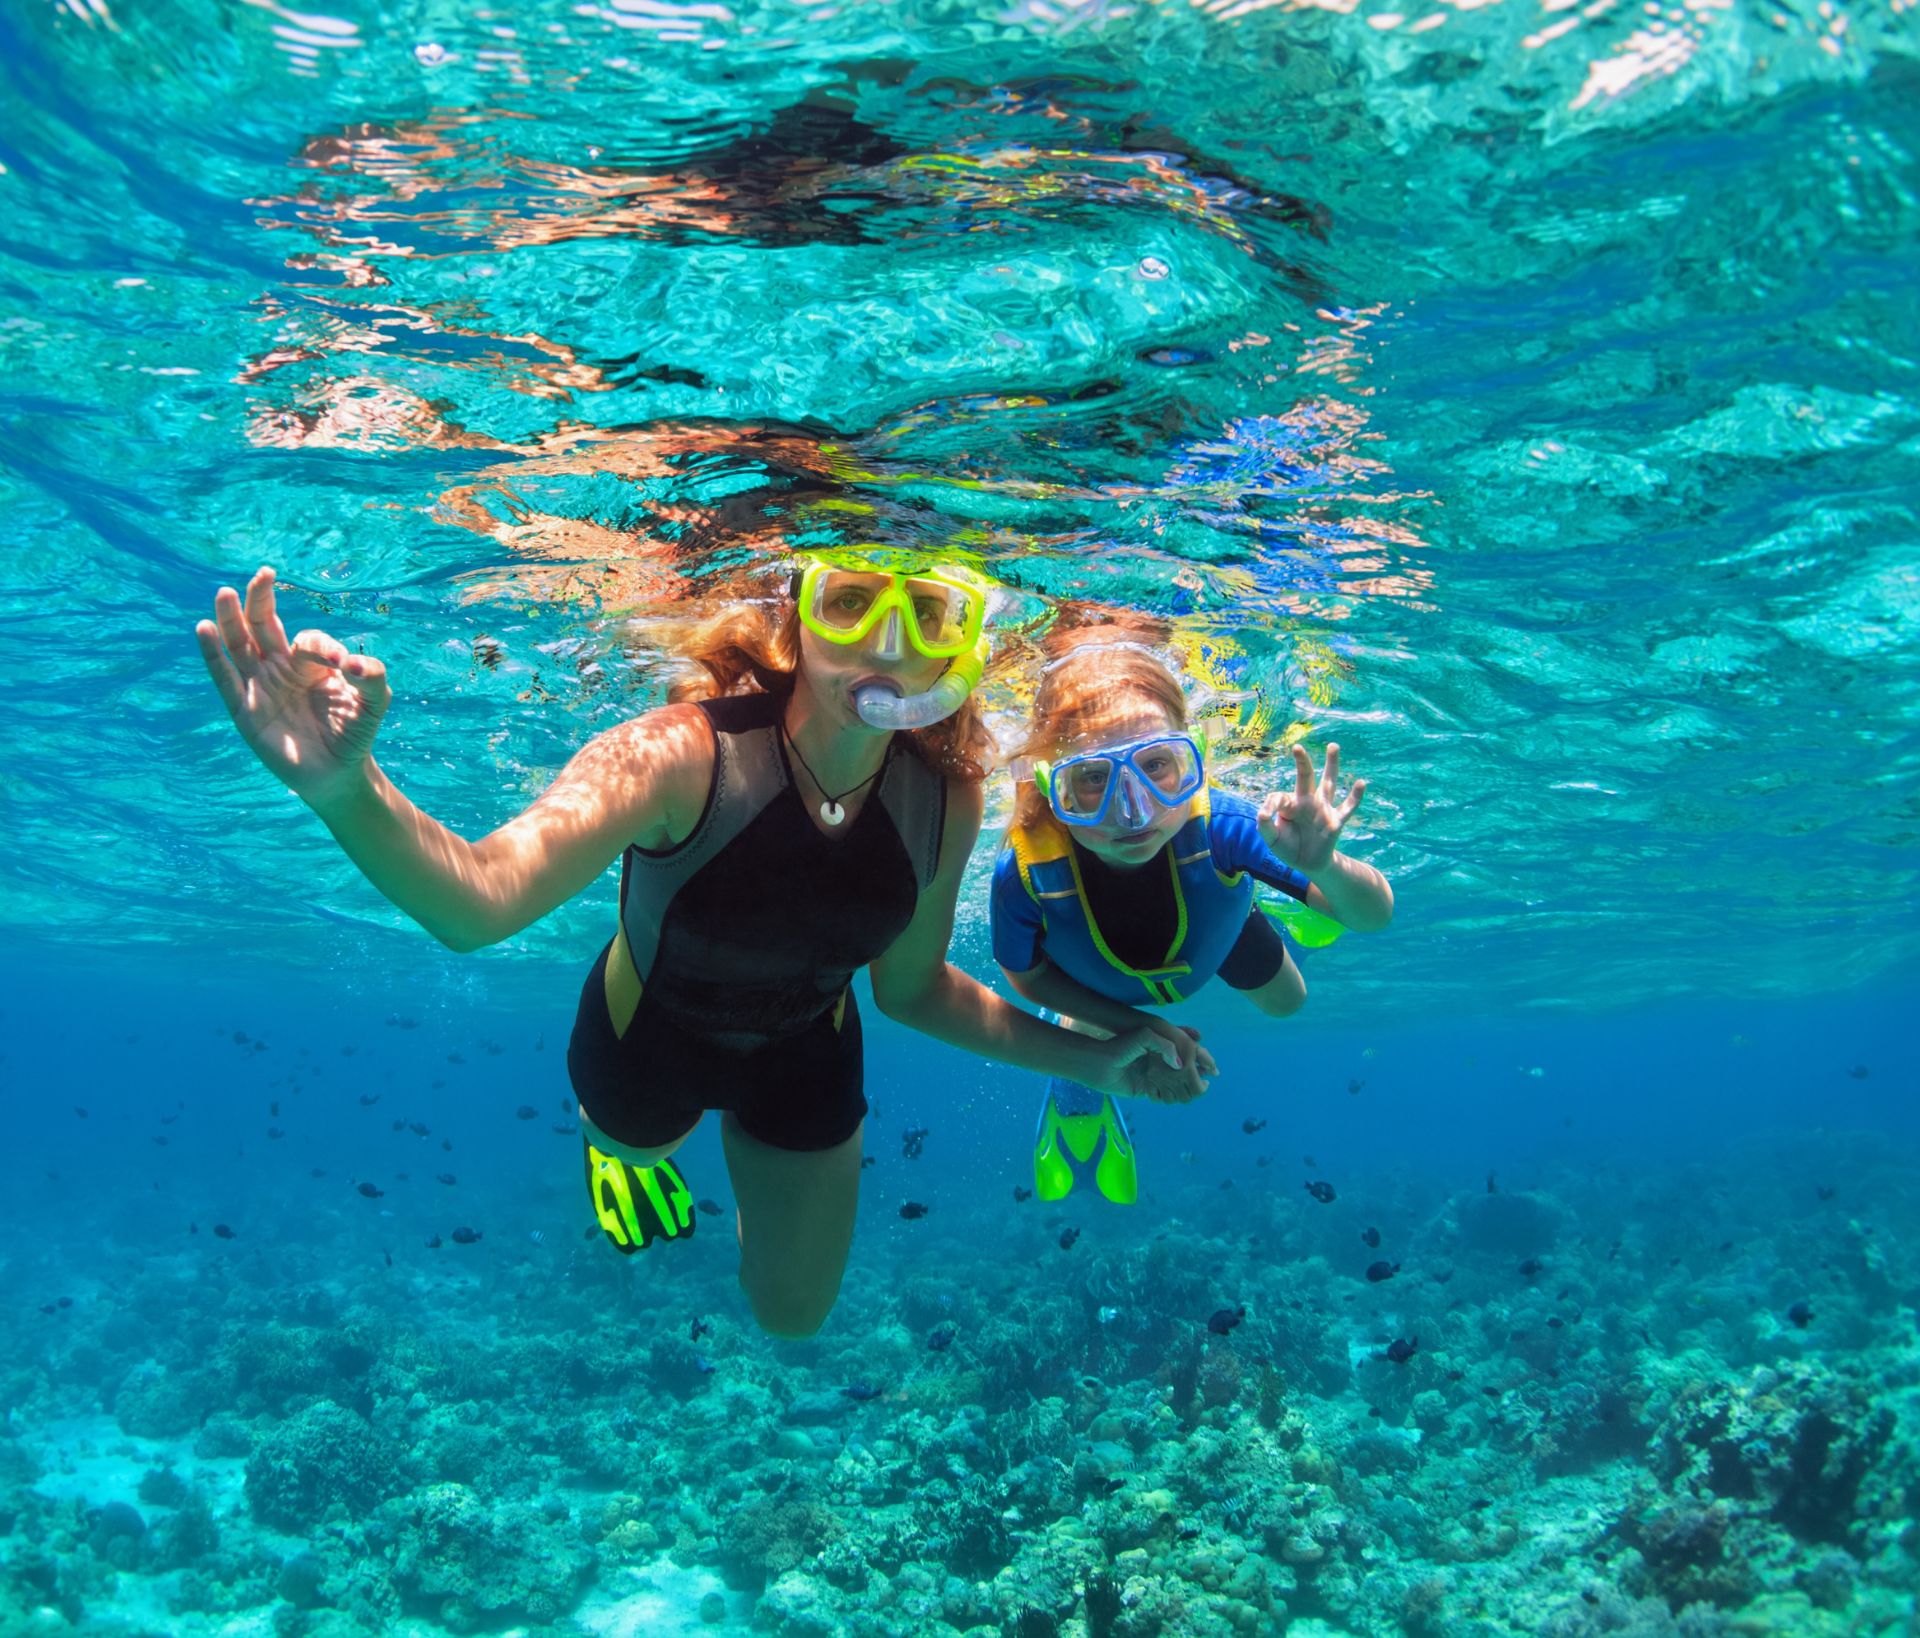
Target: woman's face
(836, 672)
(1114, 839)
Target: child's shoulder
(1230, 805)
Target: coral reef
(1618, 1418)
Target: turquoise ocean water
(1525, 395)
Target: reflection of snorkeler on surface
(813, 173)
(1129, 881)
(773, 842)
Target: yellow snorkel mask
(939, 609)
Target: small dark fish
(1375, 1410)
(417, 1129)
(401, 1124)
(455, 1058)
(275, 1132)
(434, 1243)
(372, 1191)
(1376, 1272)
(389, 1257)
(860, 1392)
(273, 1109)
(940, 1339)
(701, 1327)
(317, 1172)
(1226, 1182)
(1371, 1236)
(466, 1237)
(1801, 1313)
(1400, 1350)
(866, 1161)
(704, 1365)
(1824, 1190)
(1321, 1191)
(79, 1111)
(1020, 1194)
(1456, 1376)
(1222, 1320)
(1532, 1266)
(913, 1210)
(1250, 1126)
(708, 1207)
(369, 1099)
(447, 1144)
(526, 1111)
(1493, 1184)
(193, 1228)
(1556, 1323)
(1173, 358)
(447, 1178)
(240, 1037)
(161, 1141)
(1480, 1503)
(348, 1051)
(566, 1131)
(66, 1302)
(222, 1232)
(1067, 1237)
(47, 1308)
(1858, 1072)
(1354, 1086)
(1264, 1160)
(912, 1140)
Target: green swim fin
(637, 1205)
(1065, 1140)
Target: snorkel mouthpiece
(881, 706)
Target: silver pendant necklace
(830, 808)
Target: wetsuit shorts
(648, 1087)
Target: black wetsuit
(746, 938)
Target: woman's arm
(914, 984)
(310, 710)
(1046, 985)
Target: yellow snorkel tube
(881, 706)
(939, 608)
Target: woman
(774, 841)
(1128, 881)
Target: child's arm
(1303, 830)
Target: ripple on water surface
(1523, 401)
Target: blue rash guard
(1040, 903)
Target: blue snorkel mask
(1134, 782)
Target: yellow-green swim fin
(637, 1205)
(1069, 1135)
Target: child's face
(1113, 839)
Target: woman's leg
(796, 1226)
(626, 1151)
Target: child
(1128, 881)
